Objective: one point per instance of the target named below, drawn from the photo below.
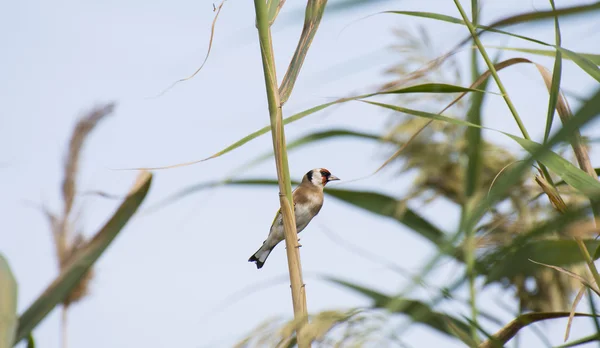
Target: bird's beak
(333, 178)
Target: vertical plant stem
(472, 182)
(283, 172)
(594, 313)
(493, 71)
(581, 153)
(507, 100)
(588, 259)
(63, 326)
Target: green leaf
(558, 224)
(549, 251)
(582, 61)
(387, 206)
(509, 331)
(273, 8)
(312, 19)
(313, 138)
(568, 172)
(572, 175)
(555, 85)
(63, 285)
(8, 304)
(30, 341)
(455, 20)
(425, 88)
(588, 339)
(594, 58)
(418, 311)
(530, 17)
(373, 202)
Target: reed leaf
(418, 311)
(594, 58)
(584, 62)
(312, 19)
(424, 88)
(500, 338)
(78, 266)
(555, 252)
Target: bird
(308, 200)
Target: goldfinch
(308, 200)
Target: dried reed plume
(67, 241)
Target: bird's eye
(325, 173)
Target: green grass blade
(473, 136)
(554, 252)
(472, 177)
(509, 331)
(310, 139)
(455, 20)
(312, 19)
(559, 224)
(30, 341)
(586, 62)
(593, 58)
(83, 260)
(581, 341)
(273, 8)
(571, 174)
(555, 85)
(418, 311)
(531, 17)
(568, 172)
(267, 129)
(589, 111)
(424, 88)
(373, 202)
(390, 207)
(594, 310)
(8, 304)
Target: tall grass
(523, 219)
(494, 244)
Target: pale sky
(165, 279)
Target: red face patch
(325, 176)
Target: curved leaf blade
(581, 60)
(56, 292)
(273, 8)
(566, 170)
(390, 207)
(425, 88)
(373, 202)
(593, 58)
(311, 139)
(418, 311)
(588, 339)
(555, 252)
(312, 19)
(509, 331)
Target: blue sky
(173, 277)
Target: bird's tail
(261, 255)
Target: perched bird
(308, 200)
